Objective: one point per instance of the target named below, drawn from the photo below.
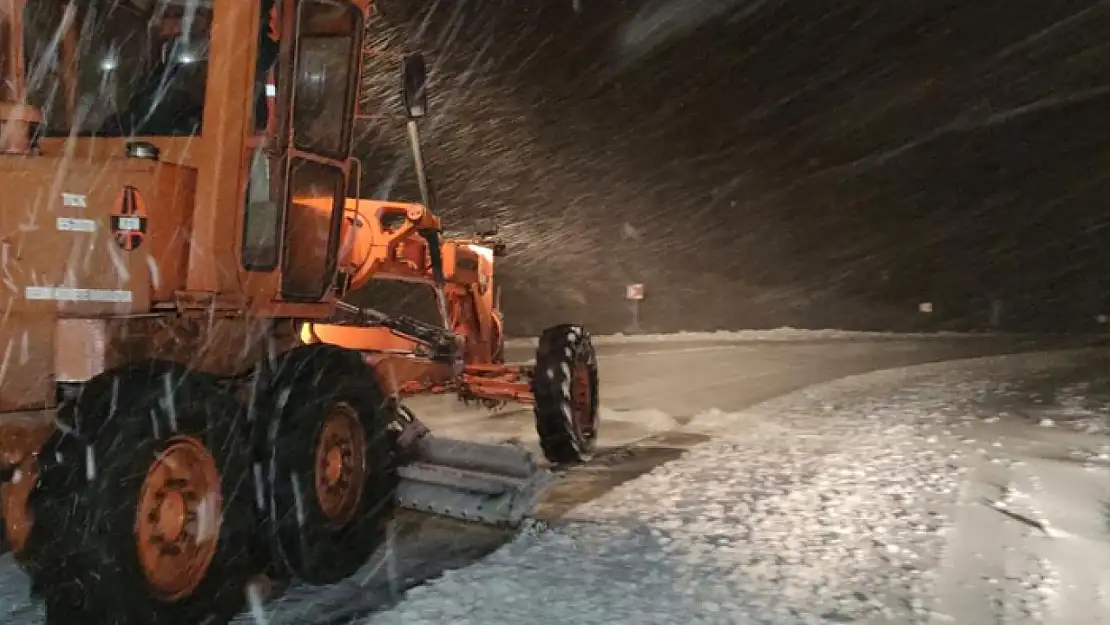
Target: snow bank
(779, 334)
(1080, 406)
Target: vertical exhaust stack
(18, 120)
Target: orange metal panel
(23, 433)
(27, 361)
(361, 339)
(213, 262)
(107, 240)
(80, 349)
(395, 372)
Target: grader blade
(495, 484)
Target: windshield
(118, 67)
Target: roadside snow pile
(779, 334)
(1079, 407)
(825, 506)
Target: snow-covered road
(932, 495)
(857, 500)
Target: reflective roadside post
(925, 320)
(634, 293)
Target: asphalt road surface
(651, 394)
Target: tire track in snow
(1044, 541)
(1070, 501)
(982, 566)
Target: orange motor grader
(187, 400)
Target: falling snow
(933, 174)
(782, 163)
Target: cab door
(321, 93)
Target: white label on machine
(75, 200)
(634, 292)
(130, 224)
(925, 307)
(67, 294)
(73, 224)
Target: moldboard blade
(495, 484)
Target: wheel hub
(171, 515)
(178, 520)
(340, 464)
(334, 470)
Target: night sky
(763, 163)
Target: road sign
(634, 292)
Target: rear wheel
(331, 472)
(147, 519)
(564, 385)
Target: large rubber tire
(308, 382)
(498, 340)
(567, 418)
(83, 553)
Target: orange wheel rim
(582, 399)
(340, 464)
(178, 521)
(17, 514)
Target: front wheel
(565, 385)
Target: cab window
(118, 68)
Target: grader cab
(187, 399)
